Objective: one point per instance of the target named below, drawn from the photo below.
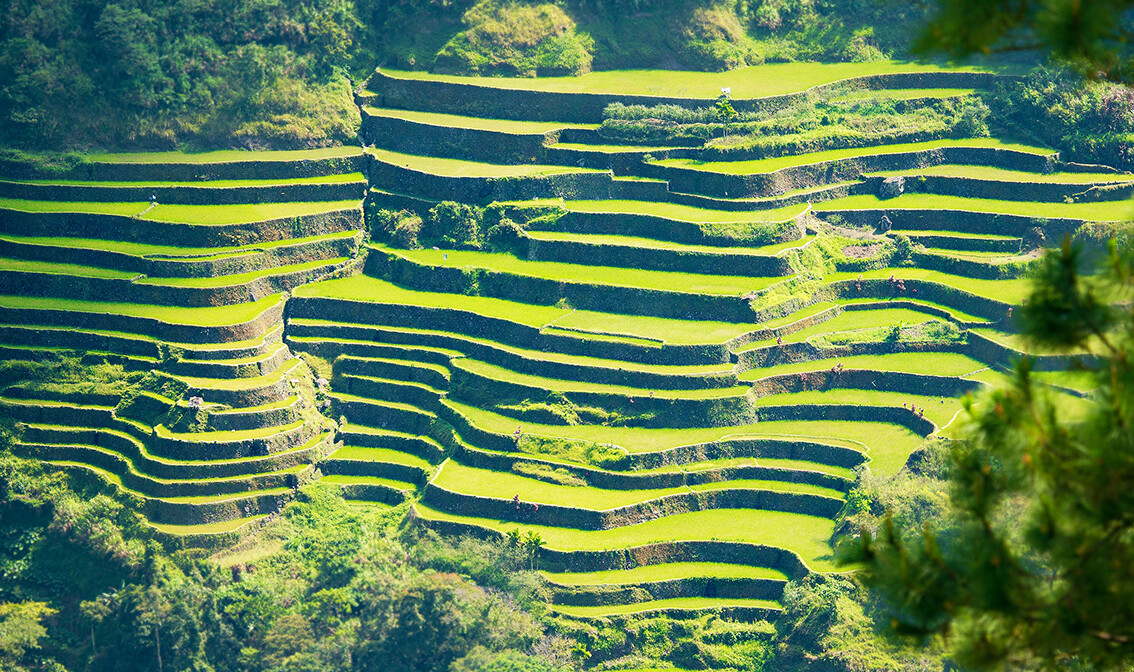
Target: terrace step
(384, 414)
(380, 462)
(357, 338)
(231, 445)
(618, 594)
(255, 347)
(690, 607)
(416, 394)
(433, 375)
(370, 488)
(421, 446)
(273, 414)
(232, 369)
(128, 474)
(190, 510)
(342, 188)
(213, 536)
(133, 449)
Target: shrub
(517, 40)
(406, 232)
(506, 236)
(453, 225)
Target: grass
(776, 163)
(902, 94)
(651, 243)
(148, 250)
(851, 320)
(607, 149)
(750, 82)
(475, 123)
(230, 280)
(687, 213)
(317, 179)
(665, 572)
(209, 528)
(184, 214)
(225, 156)
(671, 331)
(240, 383)
(778, 486)
(459, 168)
(364, 288)
(225, 436)
(503, 486)
(501, 373)
(1011, 291)
(63, 269)
(672, 603)
(1003, 174)
(926, 363)
(805, 535)
(367, 480)
(386, 455)
(666, 281)
(212, 316)
(545, 355)
(867, 437)
(1102, 211)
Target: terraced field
(671, 380)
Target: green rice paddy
(184, 214)
(212, 316)
(756, 81)
(693, 283)
(756, 166)
(316, 179)
(459, 168)
(500, 373)
(475, 123)
(1102, 211)
(226, 156)
(656, 244)
(664, 572)
(1003, 174)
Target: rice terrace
(647, 337)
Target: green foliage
(506, 236)
(401, 228)
(1093, 37)
(1028, 568)
(572, 450)
(21, 630)
(546, 472)
(454, 225)
(158, 76)
(1090, 122)
(509, 38)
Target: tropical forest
(567, 336)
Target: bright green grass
(270, 406)
(145, 249)
(938, 409)
(246, 212)
(672, 603)
(500, 373)
(475, 123)
(387, 455)
(229, 280)
(979, 255)
(212, 316)
(805, 535)
(1103, 211)
(459, 168)
(1084, 381)
(318, 179)
(902, 94)
(24, 205)
(63, 269)
(607, 149)
(851, 320)
(957, 234)
(367, 480)
(665, 572)
(548, 355)
(801, 465)
(240, 383)
(229, 435)
(502, 485)
(1018, 342)
(674, 332)
(205, 499)
(688, 213)
(759, 484)
(1011, 291)
(1003, 174)
(225, 156)
(868, 437)
(693, 283)
(752, 82)
(365, 288)
(651, 243)
(210, 528)
(776, 163)
(957, 314)
(184, 214)
(925, 363)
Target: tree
(1037, 568)
(1094, 36)
(20, 631)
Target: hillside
(651, 345)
